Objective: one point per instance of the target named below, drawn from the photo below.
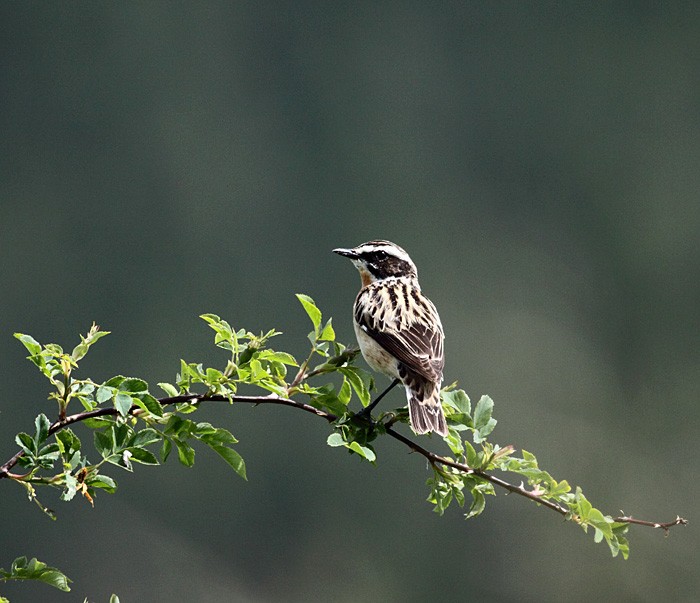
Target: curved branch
(136, 410)
(496, 481)
(432, 457)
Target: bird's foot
(365, 416)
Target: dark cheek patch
(398, 267)
(383, 267)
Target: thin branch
(678, 521)
(275, 399)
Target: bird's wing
(413, 335)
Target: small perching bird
(399, 330)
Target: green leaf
(103, 482)
(335, 440)
(529, 457)
(355, 376)
(478, 504)
(328, 334)
(68, 442)
(70, 490)
(257, 372)
(123, 403)
(165, 449)
(185, 453)
(50, 450)
(36, 570)
(458, 400)
(557, 489)
(42, 429)
(88, 402)
(170, 390)
(176, 425)
(454, 441)
(483, 422)
(231, 457)
(312, 310)
(85, 342)
(345, 393)
(26, 443)
(103, 444)
(363, 451)
(53, 577)
(325, 398)
(214, 435)
(133, 385)
(121, 434)
(598, 535)
(54, 349)
(472, 456)
(104, 393)
(618, 543)
(143, 456)
(149, 403)
(583, 505)
(282, 357)
(114, 381)
(225, 337)
(213, 376)
(144, 437)
(79, 351)
(98, 422)
(32, 345)
(482, 412)
(82, 389)
(190, 373)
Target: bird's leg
(366, 412)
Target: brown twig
(678, 521)
(275, 399)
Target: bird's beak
(348, 253)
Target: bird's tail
(425, 410)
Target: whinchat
(399, 330)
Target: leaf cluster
(472, 467)
(21, 569)
(129, 426)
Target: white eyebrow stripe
(389, 249)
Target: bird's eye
(381, 254)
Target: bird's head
(378, 260)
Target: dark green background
(538, 160)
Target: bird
(399, 330)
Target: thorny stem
(433, 458)
(678, 521)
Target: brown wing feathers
(408, 327)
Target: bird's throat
(366, 277)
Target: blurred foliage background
(538, 160)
